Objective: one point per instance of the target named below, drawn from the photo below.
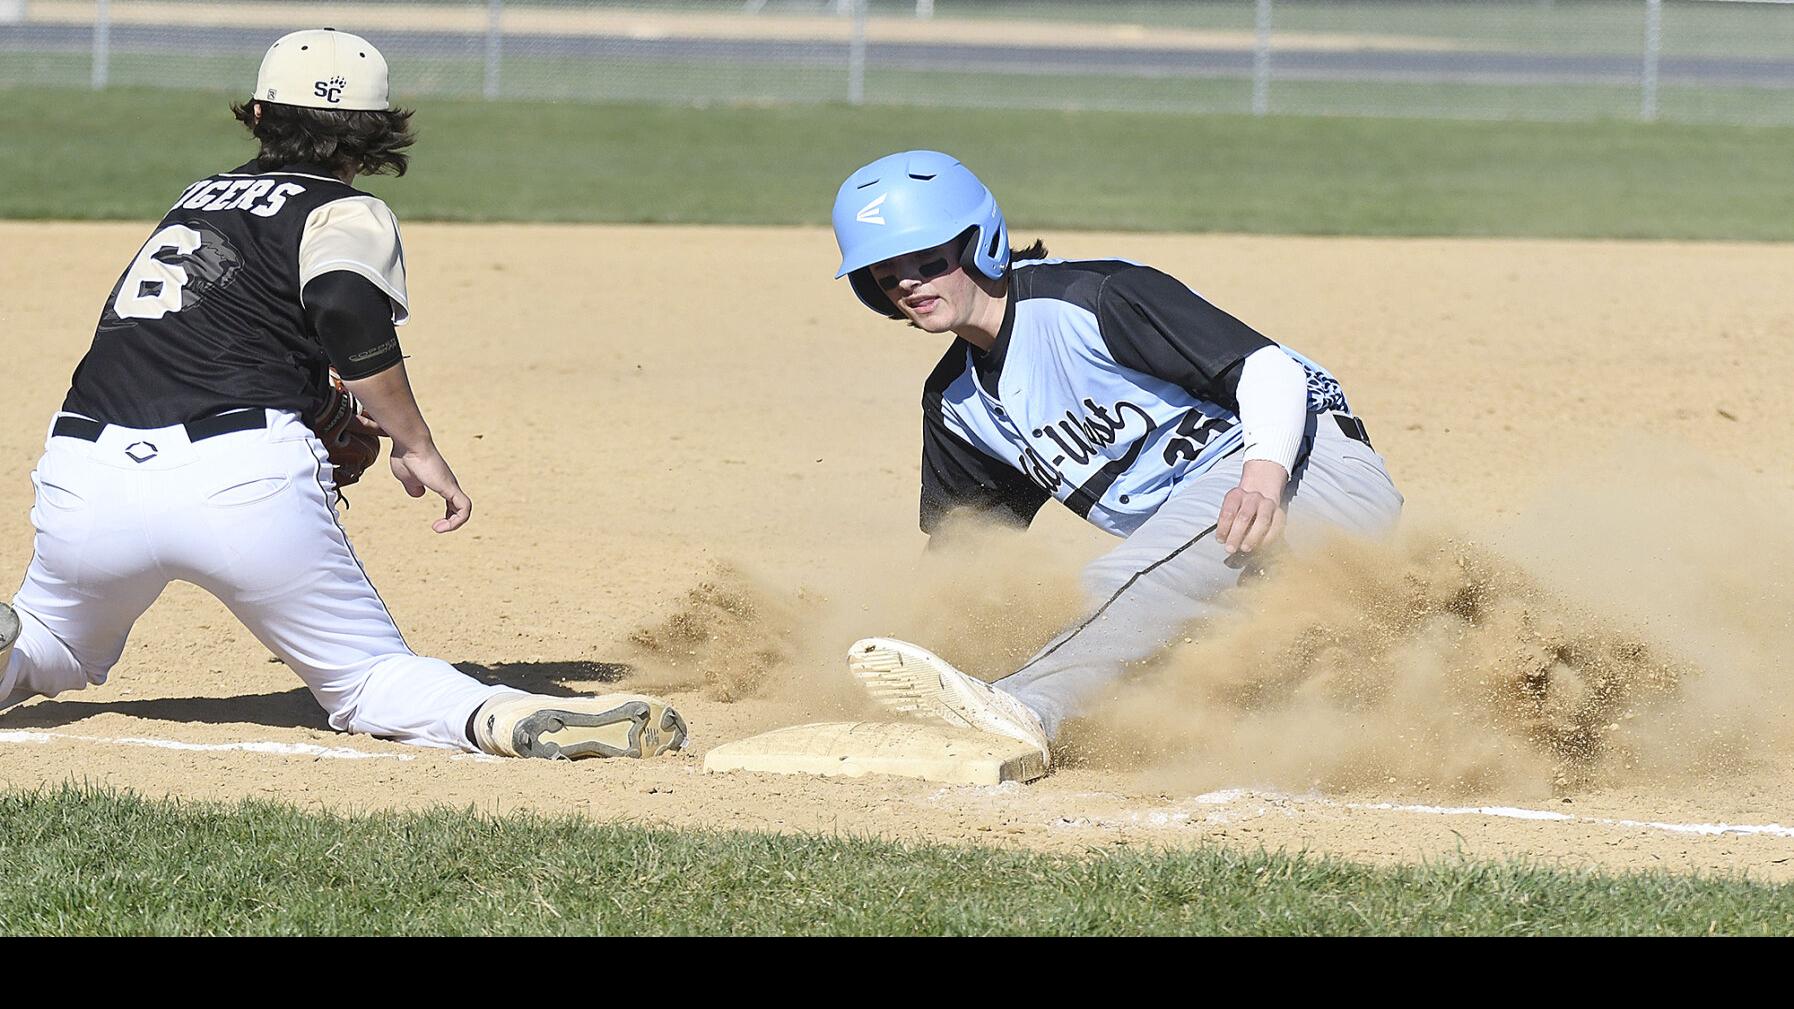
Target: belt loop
(70, 426)
(1352, 428)
(225, 423)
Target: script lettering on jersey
(1081, 439)
(261, 197)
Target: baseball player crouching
(188, 446)
(1117, 390)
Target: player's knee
(1194, 570)
(45, 666)
(34, 679)
(87, 673)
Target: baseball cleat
(912, 680)
(568, 728)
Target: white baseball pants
(250, 517)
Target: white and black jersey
(210, 315)
(1108, 383)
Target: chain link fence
(1681, 60)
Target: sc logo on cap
(330, 90)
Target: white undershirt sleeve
(1273, 398)
(358, 234)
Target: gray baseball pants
(1173, 570)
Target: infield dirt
(693, 462)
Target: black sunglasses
(928, 270)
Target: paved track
(1410, 66)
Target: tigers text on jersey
(208, 316)
(1109, 382)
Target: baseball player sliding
(1117, 390)
(186, 449)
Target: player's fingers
(1242, 521)
(1230, 507)
(1279, 518)
(459, 510)
(1260, 530)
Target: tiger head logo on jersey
(177, 275)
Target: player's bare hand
(424, 470)
(1252, 514)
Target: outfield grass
(82, 862)
(115, 155)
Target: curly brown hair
(346, 142)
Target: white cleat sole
(9, 633)
(569, 728)
(911, 680)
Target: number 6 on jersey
(152, 287)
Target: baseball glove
(352, 439)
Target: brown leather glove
(352, 439)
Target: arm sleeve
(1273, 406)
(1154, 324)
(352, 319)
(957, 476)
(358, 235)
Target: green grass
(113, 155)
(81, 861)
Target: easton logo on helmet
(870, 213)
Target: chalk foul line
(253, 746)
(1235, 795)
(1228, 806)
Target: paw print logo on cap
(332, 89)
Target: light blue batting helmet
(909, 201)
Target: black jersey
(208, 317)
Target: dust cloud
(1623, 632)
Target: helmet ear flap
(870, 294)
(992, 262)
(968, 249)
